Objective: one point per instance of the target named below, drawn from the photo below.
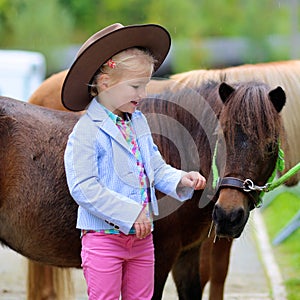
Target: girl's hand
(142, 225)
(194, 180)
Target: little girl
(112, 165)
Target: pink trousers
(118, 264)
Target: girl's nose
(142, 93)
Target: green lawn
(276, 216)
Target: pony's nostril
(237, 216)
(218, 213)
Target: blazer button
(152, 184)
(116, 227)
(111, 224)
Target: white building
(21, 72)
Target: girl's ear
(103, 82)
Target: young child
(112, 165)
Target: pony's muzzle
(228, 224)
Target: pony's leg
(39, 282)
(48, 283)
(186, 274)
(204, 265)
(212, 266)
(219, 264)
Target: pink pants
(118, 264)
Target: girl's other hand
(142, 225)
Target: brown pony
(38, 216)
(284, 73)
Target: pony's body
(38, 216)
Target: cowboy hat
(100, 47)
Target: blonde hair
(132, 60)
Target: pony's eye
(271, 148)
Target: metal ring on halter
(249, 186)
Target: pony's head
(246, 156)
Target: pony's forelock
(251, 109)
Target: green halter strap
(215, 170)
(280, 164)
(291, 172)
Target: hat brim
(75, 91)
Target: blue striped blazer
(102, 175)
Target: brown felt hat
(100, 47)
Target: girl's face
(124, 95)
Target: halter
(253, 191)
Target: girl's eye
(135, 86)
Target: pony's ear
(277, 96)
(225, 90)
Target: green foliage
(34, 25)
(93, 15)
(44, 25)
(281, 210)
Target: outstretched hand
(194, 180)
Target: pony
(38, 216)
(284, 73)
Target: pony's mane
(187, 101)
(249, 110)
(195, 114)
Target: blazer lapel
(105, 123)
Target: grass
(287, 254)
